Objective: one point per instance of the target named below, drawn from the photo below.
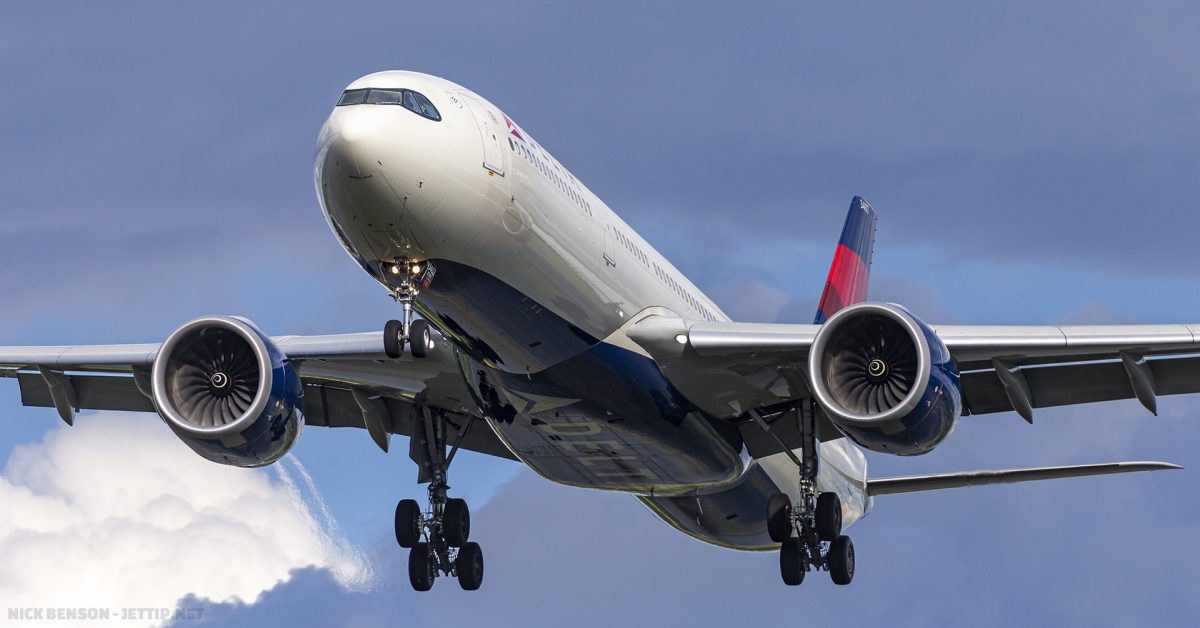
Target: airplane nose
(359, 140)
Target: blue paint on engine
(268, 436)
(935, 415)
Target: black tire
(469, 566)
(791, 562)
(779, 517)
(393, 343)
(408, 523)
(419, 338)
(829, 516)
(841, 560)
(456, 523)
(420, 568)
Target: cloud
(117, 513)
(922, 299)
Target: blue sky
(1030, 164)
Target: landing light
(416, 268)
(681, 339)
(395, 270)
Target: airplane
(551, 333)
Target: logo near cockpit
(512, 128)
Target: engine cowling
(228, 392)
(885, 379)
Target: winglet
(851, 267)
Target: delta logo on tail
(851, 268)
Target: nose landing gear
(418, 338)
(403, 279)
(438, 538)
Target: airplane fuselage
(533, 279)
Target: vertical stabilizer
(851, 267)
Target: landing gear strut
(437, 538)
(403, 279)
(809, 532)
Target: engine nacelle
(885, 379)
(228, 392)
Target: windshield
(413, 101)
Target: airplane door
(610, 247)
(493, 155)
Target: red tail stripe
(847, 282)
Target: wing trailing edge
(914, 483)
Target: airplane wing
(728, 368)
(348, 382)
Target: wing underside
(728, 368)
(348, 382)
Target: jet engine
(228, 392)
(885, 379)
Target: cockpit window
(413, 101)
(384, 97)
(418, 103)
(353, 97)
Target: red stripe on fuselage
(847, 282)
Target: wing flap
(92, 392)
(1069, 384)
(329, 405)
(910, 484)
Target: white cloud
(117, 513)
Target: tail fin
(851, 268)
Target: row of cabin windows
(561, 182)
(663, 276)
(551, 173)
(634, 249)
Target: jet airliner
(551, 333)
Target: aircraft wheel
(419, 338)
(829, 516)
(841, 560)
(420, 568)
(408, 523)
(791, 562)
(779, 517)
(456, 523)
(469, 566)
(393, 341)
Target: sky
(1031, 163)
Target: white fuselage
(522, 248)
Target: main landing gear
(415, 334)
(809, 532)
(438, 537)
